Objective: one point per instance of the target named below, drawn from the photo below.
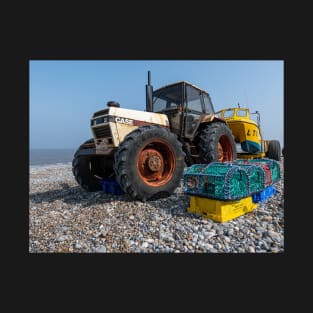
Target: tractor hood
(129, 117)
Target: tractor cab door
(193, 111)
(168, 100)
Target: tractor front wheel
(88, 170)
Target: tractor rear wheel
(274, 150)
(216, 143)
(149, 163)
(88, 170)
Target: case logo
(124, 120)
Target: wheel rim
(156, 163)
(225, 150)
(220, 152)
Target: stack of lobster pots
(224, 191)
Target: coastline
(50, 165)
(50, 156)
(63, 218)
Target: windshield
(168, 97)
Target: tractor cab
(186, 106)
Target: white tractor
(146, 152)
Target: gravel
(63, 218)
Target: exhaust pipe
(149, 92)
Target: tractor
(146, 151)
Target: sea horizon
(49, 156)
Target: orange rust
(156, 163)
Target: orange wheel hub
(156, 163)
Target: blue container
(263, 195)
(111, 186)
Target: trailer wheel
(216, 143)
(88, 170)
(149, 163)
(274, 150)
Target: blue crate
(263, 195)
(111, 186)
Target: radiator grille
(102, 131)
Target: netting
(231, 180)
(273, 166)
(265, 178)
(267, 172)
(224, 181)
(256, 176)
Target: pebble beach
(63, 218)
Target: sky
(63, 94)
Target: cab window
(193, 100)
(208, 106)
(229, 113)
(241, 113)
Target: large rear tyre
(216, 143)
(274, 150)
(88, 170)
(149, 163)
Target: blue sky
(64, 94)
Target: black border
(218, 265)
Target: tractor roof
(183, 83)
